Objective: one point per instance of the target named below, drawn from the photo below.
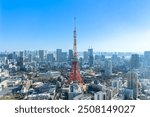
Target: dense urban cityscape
(41, 74)
(72, 75)
(40, 63)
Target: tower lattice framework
(74, 74)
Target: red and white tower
(74, 74)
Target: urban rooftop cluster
(40, 75)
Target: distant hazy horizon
(79, 52)
(104, 25)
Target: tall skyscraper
(134, 61)
(14, 55)
(50, 57)
(64, 56)
(132, 78)
(80, 62)
(41, 55)
(30, 58)
(70, 56)
(85, 56)
(59, 55)
(20, 60)
(10, 56)
(108, 68)
(21, 54)
(115, 60)
(147, 58)
(90, 57)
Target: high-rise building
(21, 54)
(147, 58)
(90, 57)
(146, 73)
(10, 56)
(59, 55)
(41, 55)
(115, 60)
(70, 56)
(20, 60)
(108, 68)
(50, 57)
(85, 56)
(132, 78)
(80, 62)
(134, 61)
(64, 56)
(14, 55)
(29, 58)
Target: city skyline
(117, 26)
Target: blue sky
(104, 25)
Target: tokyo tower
(74, 75)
